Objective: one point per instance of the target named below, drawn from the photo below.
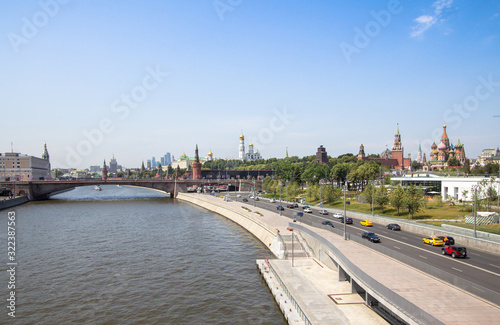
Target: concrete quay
(314, 284)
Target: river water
(132, 256)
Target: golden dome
(210, 154)
(250, 145)
(242, 137)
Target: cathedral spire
(45, 154)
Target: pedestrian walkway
(445, 302)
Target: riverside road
(481, 268)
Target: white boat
(97, 188)
(118, 185)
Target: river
(132, 256)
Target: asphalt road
(481, 268)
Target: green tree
(381, 196)
(413, 199)
(452, 161)
(368, 193)
(396, 198)
(340, 172)
(314, 173)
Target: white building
(458, 188)
(251, 154)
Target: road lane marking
(396, 247)
(456, 269)
(495, 265)
(404, 238)
(452, 259)
(422, 256)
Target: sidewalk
(445, 302)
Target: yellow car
(434, 241)
(366, 223)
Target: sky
(137, 79)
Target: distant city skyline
(140, 79)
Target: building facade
(321, 156)
(15, 166)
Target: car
(252, 197)
(328, 223)
(338, 215)
(348, 220)
(290, 206)
(454, 251)
(323, 212)
(295, 205)
(434, 241)
(308, 210)
(256, 198)
(305, 207)
(238, 195)
(366, 223)
(393, 226)
(272, 200)
(245, 199)
(280, 207)
(447, 240)
(371, 236)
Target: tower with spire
(196, 166)
(104, 175)
(419, 154)
(46, 156)
(397, 150)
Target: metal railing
(294, 302)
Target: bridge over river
(41, 190)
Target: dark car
(245, 199)
(454, 251)
(305, 207)
(290, 206)
(371, 237)
(348, 220)
(328, 223)
(280, 207)
(393, 226)
(447, 240)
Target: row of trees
(410, 198)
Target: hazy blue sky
(141, 78)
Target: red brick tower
(104, 175)
(196, 165)
(397, 150)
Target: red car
(454, 251)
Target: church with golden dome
(251, 154)
(440, 154)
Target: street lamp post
(345, 213)
(280, 199)
(475, 209)
(254, 194)
(320, 200)
(373, 198)
(287, 191)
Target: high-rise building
(162, 161)
(168, 160)
(113, 165)
(153, 163)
